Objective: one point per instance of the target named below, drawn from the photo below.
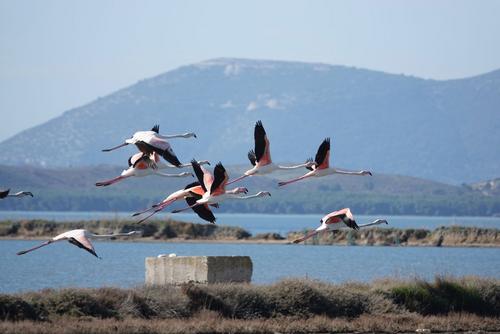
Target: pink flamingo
(6, 193)
(151, 141)
(141, 164)
(80, 238)
(260, 158)
(338, 220)
(215, 187)
(321, 165)
(191, 193)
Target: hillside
(73, 189)
(396, 124)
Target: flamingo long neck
(293, 167)
(170, 136)
(172, 175)
(234, 196)
(103, 236)
(344, 171)
(376, 222)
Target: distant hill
(397, 124)
(73, 189)
(488, 188)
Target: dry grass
(211, 322)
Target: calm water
(63, 265)
(262, 223)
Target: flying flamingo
(151, 141)
(321, 165)
(215, 187)
(141, 165)
(80, 238)
(191, 193)
(338, 220)
(5, 193)
(260, 158)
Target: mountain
(73, 189)
(488, 188)
(397, 124)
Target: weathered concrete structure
(198, 269)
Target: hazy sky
(57, 55)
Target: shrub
(14, 308)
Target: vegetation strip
(445, 304)
(183, 231)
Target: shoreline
(172, 231)
(254, 242)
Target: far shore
(172, 231)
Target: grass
(292, 305)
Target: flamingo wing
(4, 193)
(336, 216)
(203, 211)
(144, 162)
(220, 180)
(323, 155)
(252, 157)
(133, 159)
(195, 189)
(262, 152)
(200, 174)
(151, 143)
(83, 243)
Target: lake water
(122, 264)
(262, 223)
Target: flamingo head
(381, 221)
(366, 172)
(263, 194)
(203, 162)
(189, 135)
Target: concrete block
(198, 269)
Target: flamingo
(214, 187)
(5, 193)
(80, 238)
(260, 158)
(191, 193)
(321, 165)
(151, 141)
(338, 220)
(141, 164)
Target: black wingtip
(156, 128)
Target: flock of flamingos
(210, 189)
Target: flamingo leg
(307, 236)
(185, 209)
(293, 180)
(114, 148)
(157, 209)
(237, 179)
(34, 248)
(110, 182)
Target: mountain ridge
(390, 123)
